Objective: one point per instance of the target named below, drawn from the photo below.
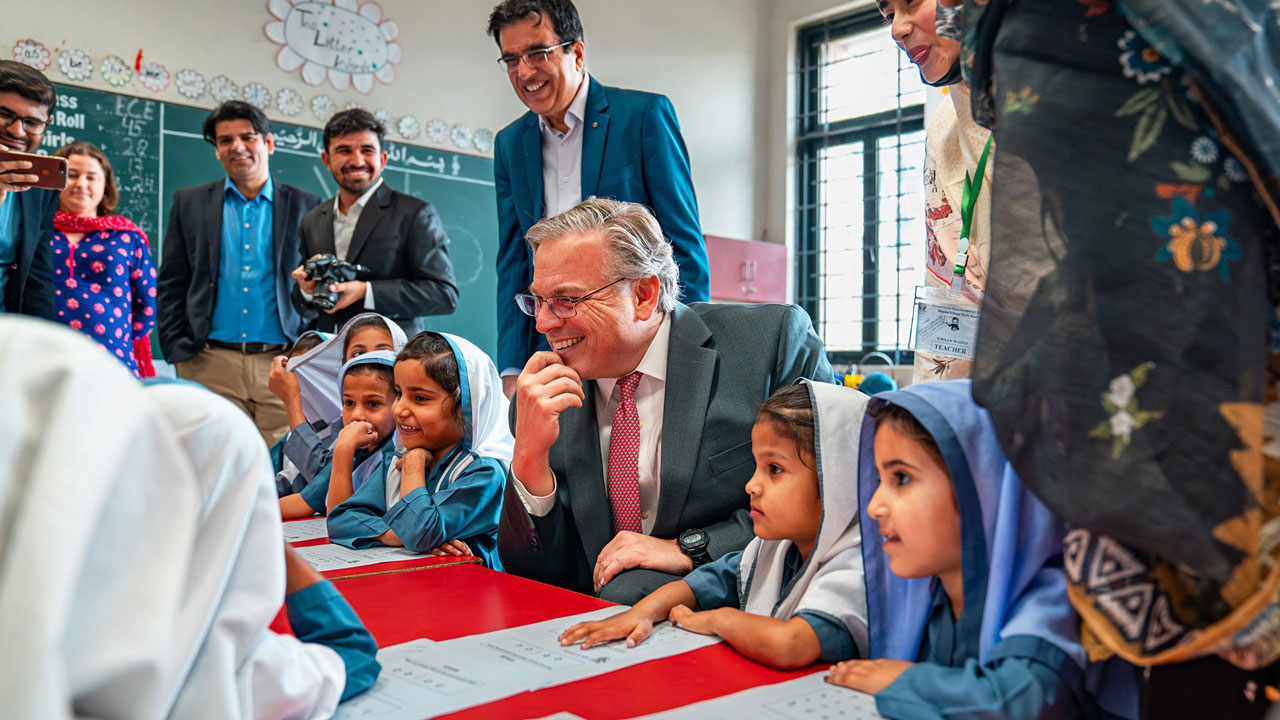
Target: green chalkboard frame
(157, 147)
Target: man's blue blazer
(632, 150)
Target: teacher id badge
(945, 324)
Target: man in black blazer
(26, 214)
(224, 282)
(400, 238)
(587, 513)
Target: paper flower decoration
(190, 84)
(154, 76)
(257, 95)
(343, 41)
(483, 140)
(385, 118)
(75, 64)
(289, 101)
(438, 131)
(460, 134)
(222, 88)
(322, 107)
(31, 52)
(353, 105)
(409, 127)
(116, 71)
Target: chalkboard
(156, 148)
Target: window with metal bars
(859, 206)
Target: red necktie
(624, 458)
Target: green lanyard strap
(972, 187)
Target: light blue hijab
(1015, 592)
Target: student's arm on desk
(467, 507)
(319, 614)
(778, 643)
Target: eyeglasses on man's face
(533, 58)
(30, 125)
(562, 307)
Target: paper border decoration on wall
(75, 64)
(154, 76)
(116, 71)
(353, 105)
(257, 95)
(223, 89)
(483, 140)
(289, 101)
(385, 117)
(460, 134)
(322, 107)
(438, 131)
(31, 52)
(409, 127)
(343, 41)
(190, 84)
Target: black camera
(327, 270)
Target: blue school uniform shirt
(947, 680)
(319, 614)
(715, 585)
(301, 454)
(461, 500)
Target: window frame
(812, 136)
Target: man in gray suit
(633, 433)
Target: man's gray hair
(635, 245)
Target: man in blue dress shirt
(223, 291)
(26, 214)
(579, 139)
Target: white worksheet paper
(424, 680)
(808, 698)
(299, 530)
(338, 557)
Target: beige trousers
(242, 379)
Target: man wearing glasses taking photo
(26, 214)
(579, 139)
(633, 434)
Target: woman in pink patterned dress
(104, 282)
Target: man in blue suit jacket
(579, 139)
(26, 215)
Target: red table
(464, 599)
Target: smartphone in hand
(51, 171)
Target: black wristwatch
(694, 544)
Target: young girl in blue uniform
(967, 604)
(444, 493)
(312, 397)
(290, 476)
(795, 595)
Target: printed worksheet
(423, 679)
(299, 530)
(337, 557)
(808, 698)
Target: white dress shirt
(650, 394)
(562, 156)
(562, 164)
(344, 227)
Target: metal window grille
(859, 205)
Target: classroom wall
(705, 55)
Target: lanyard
(972, 187)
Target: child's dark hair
(438, 361)
(358, 325)
(789, 412)
(901, 420)
(372, 368)
(305, 342)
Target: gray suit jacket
(724, 360)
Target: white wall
(704, 54)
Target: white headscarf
(138, 573)
(830, 581)
(318, 371)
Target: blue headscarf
(1015, 592)
(376, 357)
